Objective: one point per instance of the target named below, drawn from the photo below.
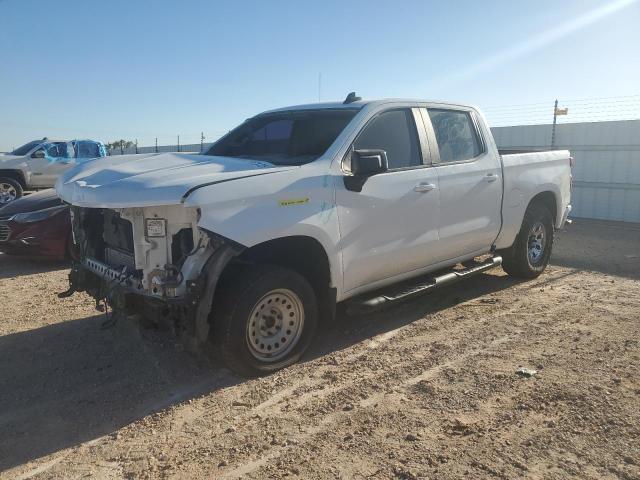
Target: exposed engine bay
(150, 261)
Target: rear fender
(515, 207)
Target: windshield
(284, 138)
(26, 148)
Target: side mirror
(38, 154)
(365, 163)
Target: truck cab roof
(359, 104)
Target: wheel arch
(16, 175)
(517, 259)
(302, 254)
(513, 215)
(549, 200)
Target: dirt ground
(426, 389)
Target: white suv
(38, 164)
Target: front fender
(250, 211)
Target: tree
(120, 145)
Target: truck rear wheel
(10, 190)
(530, 253)
(264, 319)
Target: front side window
(456, 135)
(395, 133)
(58, 150)
(284, 138)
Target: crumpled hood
(151, 179)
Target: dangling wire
(112, 284)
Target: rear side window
(88, 150)
(395, 133)
(456, 135)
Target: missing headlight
(181, 245)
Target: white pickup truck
(38, 164)
(252, 243)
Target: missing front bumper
(188, 313)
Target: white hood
(151, 179)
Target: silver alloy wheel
(8, 193)
(536, 242)
(275, 325)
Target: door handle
(491, 177)
(424, 187)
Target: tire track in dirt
(340, 416)
(322, 389)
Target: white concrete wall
(606, 176)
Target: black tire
(518, 260)
(9, 182)
(238, 304)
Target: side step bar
(364, 304)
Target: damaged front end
(153, 262)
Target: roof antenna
(351, 98)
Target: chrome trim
(5, 232)
(565, 216)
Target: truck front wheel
(530, 253)
(10, 190)
(265, 318)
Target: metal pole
(156, 144)
(121, 147)
(178, 142)
(553, 129)
(136, 145)
(201, 141)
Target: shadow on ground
(71, 382)
(612, 248)
(348, 330)
(11, 267)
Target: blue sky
(146, 69)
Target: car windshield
(26, 148)
(284, 138)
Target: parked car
(37, 164)
(363, 202)
(37, 225)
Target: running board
(364, 304)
